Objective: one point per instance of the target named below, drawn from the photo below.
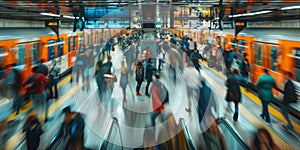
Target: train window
(90, 39)
(242, 47)
(81, 39)
(51, 49)
(297, 67)
(74, 44)
(20, 54)
(60, 42)
(257, 53)
(232, 43)
(35, 53)
(274, 52)
(70, 43)
(96, 37)
(1, 53)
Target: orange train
(26, 46)
(275, 49)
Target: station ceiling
(31, 10)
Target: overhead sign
(240, 24)
(52, 23)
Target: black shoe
(147, 94)
(235, 116)
(262, 116)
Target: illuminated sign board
(240, 24)
(52, 23)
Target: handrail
(57, 137)
(107, 135)
(188, 137)
(233, 132)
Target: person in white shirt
(193, 83)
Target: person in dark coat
(290, 96)
(233, 91)
(139, 77)
(264, 85)
(42, 68)
(33, 130)
(99, 75)
(150, 71)
(195, 56)
(73, 126)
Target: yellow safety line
(254, 98)
(13, 142)
(27, 106)
(258, 124)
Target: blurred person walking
(124, 80)
(139, 77)
(233, 83)
(35, 87)
(191, 77)
(263, 141)
(33, 130)
(150, 71)
(54, 78)
(264, 85)
(160, 96)
(290, 96)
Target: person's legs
(263, 109)
(147, 87)
(138, 87)
(124, 93)
(19, 100)
(153, 117)
(55, 88)
(285, 108)
(236, 111)
(266, 111)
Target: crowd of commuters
(176, 56)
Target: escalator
(112, 137)
(233, 140)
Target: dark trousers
(160, 63)
(79, 71)
(138, 86)
(265, 111)
(147, 86)
(285, 108)
(154, 115)
(55, 83)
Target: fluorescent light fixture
(290, 7)
(69, 17)
(250, 14)
(49, 14)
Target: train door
(71, 49)
(297, 63)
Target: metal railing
(190, 143)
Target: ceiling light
(69, 17)
(250, 14)
(290, 7)
(49, 14)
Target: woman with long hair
(263, 141)
(139, 77)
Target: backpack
(31, 85)
(164, 94)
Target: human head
(149, 61)
(235, 71)
(263, 136)
(266, 71)
(67, 110)
(35, 69)
(108, 58)
(155, 77)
